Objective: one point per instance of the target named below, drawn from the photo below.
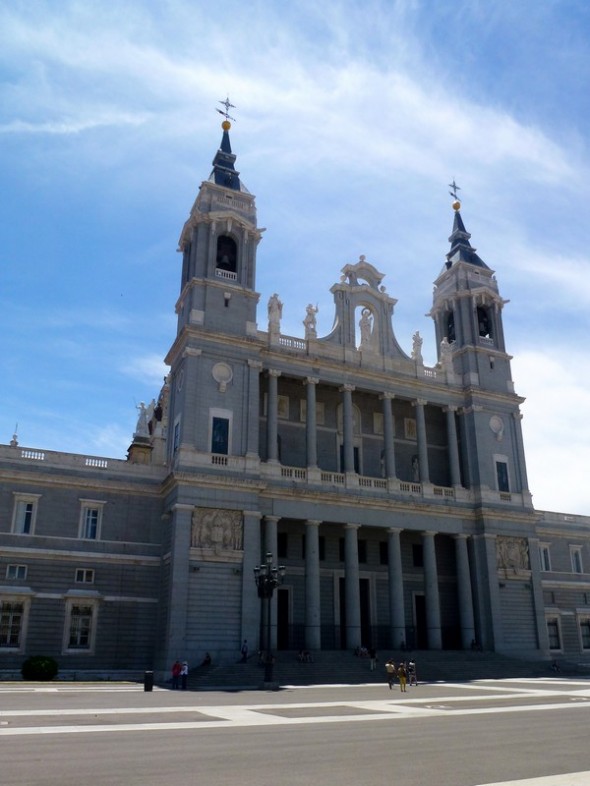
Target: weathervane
(452, 185)
(227, 106)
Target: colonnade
(389, 461)
(397, 616)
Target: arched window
(227, 254)
(451, 327)
(484, 325)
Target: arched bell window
(450, 325)
(227, 254)
(484, 323)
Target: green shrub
(39, 668)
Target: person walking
(390, 671)
(184, 675)
(412, 679)
(176, 669)
(244, 651)
(402, 675)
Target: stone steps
(340, 667)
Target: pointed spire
(224, 173)
(461, 248)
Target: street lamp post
(267, 577)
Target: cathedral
(391, 497)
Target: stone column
(313, 625)
(396, 590)
(388, 435)
(311, 423)
(466, 617)
(271, 544)
(347, 427)
(433, 624)
(272, 416)
(250, 601)
(253, 409)
(419, 404)
(453, 446)
(180, 544)
(351, 586)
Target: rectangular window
(91, 519)
(84, 576)
(362, 546)
(553, 633)
(282, 545)
(410, 428)
(80, 627)
(576, 557)
(418, 555)
(11, 623)
(90, 523)
(544, 557)
(16, 572)
(25, 513)
(220, 436)
(585, 633)
(383, 553)
(502, 476)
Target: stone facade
(394, 494)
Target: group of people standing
(404, 671)
(179, 675)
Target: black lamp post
(268, 576)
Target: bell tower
(467, 313)
(216, 314)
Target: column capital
(420, 402)
(272, 372)
(352, 526)
(429, 533)
(460, 536)
(395, 530)
(450, 408)
(192, 352)
(255, 364)
(347, 389)
(517, 415)
(311, 381)
(272, 518)
(253, 514)
(387, 395)
(312, 523)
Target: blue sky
(351, 119)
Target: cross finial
(227, 106)
(454, 188)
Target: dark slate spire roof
(461, 248)
(224, 173)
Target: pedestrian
(184, 675)
(373, 658)
(412, 679)
(402, 675)
(176, 669)
(244, 651)
(390, 671)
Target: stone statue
(275, 312)
(310, 321)
(417, 342)
(141, 430)
(365, 326)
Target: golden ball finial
(456, 205)
(226, 125)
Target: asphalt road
(435, 735)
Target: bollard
(148, 681)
